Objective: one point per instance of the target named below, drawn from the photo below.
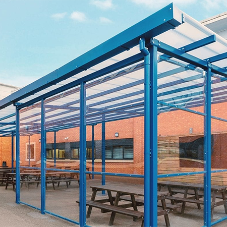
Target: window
(30, 151)
(75, 153)
(119, 149)
(119, 152)
(60, 150)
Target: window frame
(31, 159)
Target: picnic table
(194, 193)
(134, 197)
(52, 177)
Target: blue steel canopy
(113, 72)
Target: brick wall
(171, 125)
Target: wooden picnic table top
(137, 190)
(191, 185)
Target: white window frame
(27, 151)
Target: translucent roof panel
(115, 88)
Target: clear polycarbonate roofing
(120, 94)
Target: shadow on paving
(62, 201)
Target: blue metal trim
(55, 147)
(64, 218)
(180, 108)
(207, 150)
(142, 176)
(17, 156)
(12, 150)
(180, 174)
(93, 149)
(29, 205)
(26, 167)
(103, 151)
(218, 221)
(62, 170)
(159, 22)
(43, 159)
(82, 215)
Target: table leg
(184, 203)
(165, 215)
(110, 197)
(197, 198)
(94, 191)
(134, 205)
(117, 198)
(225, 202)
(170, 193)
(212, 203)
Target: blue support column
(207, 150)
(29, 151)
(43, 159)
(103, 152)
(17, 155)
(150, 134)
(55, 138)
(153, 135)
(12, 147)
(82, 155)
(93, 150)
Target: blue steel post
(82, 155)
(103, 151)
(55, 158)
(29, 151)
(43, 159)
(17, 155)
(12, 160)
(150, 134)
(207, 150)
(152, 102)
(93, 150)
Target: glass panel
(181, 143)
(117, 153)
(128, 153)
(218, 149)
(30, 156)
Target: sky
(39, 36)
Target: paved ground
(62, 201)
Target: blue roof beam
(7, 123)
(192, 46)
(62, 107)
(174, 52)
